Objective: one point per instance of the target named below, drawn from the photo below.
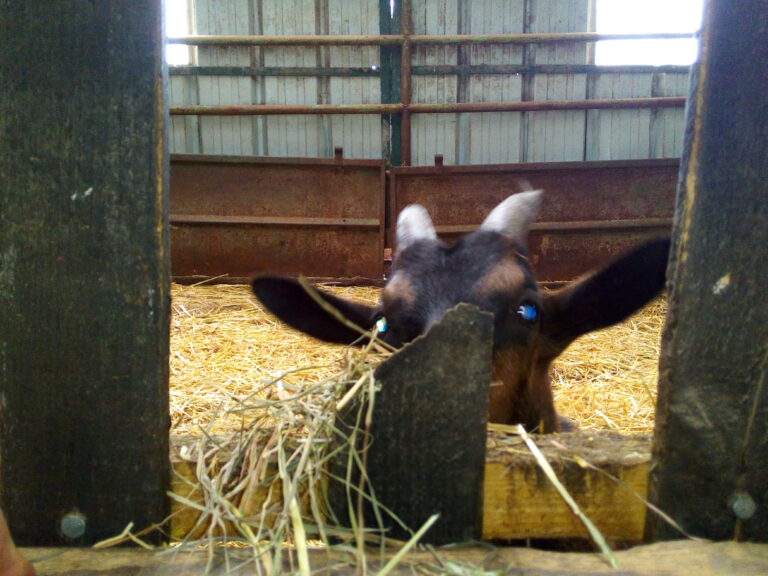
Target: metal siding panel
(291, 135)
(224, 135)
(619, 134)
(234, 216)
(492, 137)
(177, 136)
(434, 133)
(668, 125)
(359, 135)
(557, 136)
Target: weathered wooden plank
(518, 501)
(83, 269)
(680, 558)
(427, 439)
(711, 438)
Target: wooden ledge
(606, 473)
(679, 558)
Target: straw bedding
(224, 347)
(234, 368)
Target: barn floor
(225, 347)
(679, 558)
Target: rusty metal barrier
(592, 211)
(329, 219)
(232, 216)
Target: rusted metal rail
(414, 39)
(326, 218)
(407, 108)
(235, 215)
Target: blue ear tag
(381, 325)
(527, 312)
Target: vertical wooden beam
(83, 269)
(711, 441)
(428, 434)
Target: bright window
(177, 24)
(647, 16)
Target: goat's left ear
(289, 301)
(605, 297)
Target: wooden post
(427, 450)
(84, 295)
(711, 441)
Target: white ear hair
(414, 224)
(514, 216)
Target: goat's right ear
(606, 296)
(290, 302)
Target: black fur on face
(484, 268)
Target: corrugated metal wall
(468, 138)
(295, 136)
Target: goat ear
(290, 302)
(514, 216)
(414, 224)
(605, 297)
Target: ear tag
(527, 312)
(381, 325)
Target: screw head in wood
(73, 525)
(743, 505)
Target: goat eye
(381, 325)
(528, 312)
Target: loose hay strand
(594, 533)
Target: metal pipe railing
(405, 40)
(417, 39)
(416, 108)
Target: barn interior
(154, 416)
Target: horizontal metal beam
(416, 39)
(436, 70)
(427, 108)
(283, 109)
(590, 225)
(453, 69)
(298, 222)
(545, 105)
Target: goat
(488, 268)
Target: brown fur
(399, 288)
(506, 276)
(522, 394)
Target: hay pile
(224, 347)
(234, 368)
